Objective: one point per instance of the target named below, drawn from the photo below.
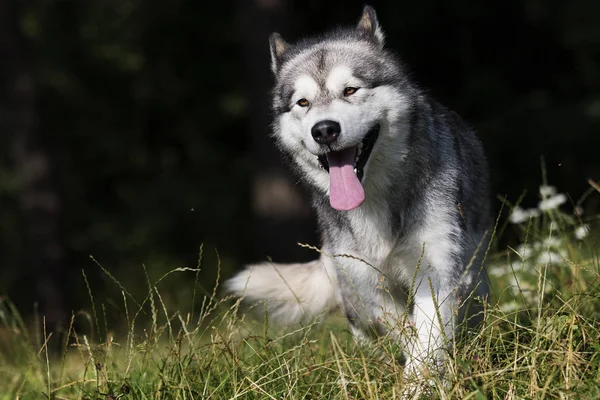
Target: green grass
(540, 339)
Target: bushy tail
(293, 292)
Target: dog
(400, 187)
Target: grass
(540, 338)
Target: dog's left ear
(369, 26)
(278, 46)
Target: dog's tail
(293, 292)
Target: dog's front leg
(433, 319)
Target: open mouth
(346, 170)
(363, 151)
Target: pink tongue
(345, 190)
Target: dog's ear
(278, 47)
(369, 26)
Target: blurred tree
(39, 199)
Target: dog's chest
(371, 233)
(371, 258)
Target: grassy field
(540, 338)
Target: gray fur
(427, 207)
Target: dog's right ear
(278, 47)
(369, 26)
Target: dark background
(136, 130)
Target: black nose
(326, 132)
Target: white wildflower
(552, 202)
(582, 231)
(530, 295)
(509, 306)
(547, 191)
(498, 270)
(552, 242)
(519, 215)
(553, 226)
(524, 251)
(527, 286)
(563, 252)
(513, 283)
(520, 282)
(549, 258)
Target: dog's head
(338, 101)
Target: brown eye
(350, 91)
(303, 103)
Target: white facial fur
(341, 77)
(356, 114)
(306, 87)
